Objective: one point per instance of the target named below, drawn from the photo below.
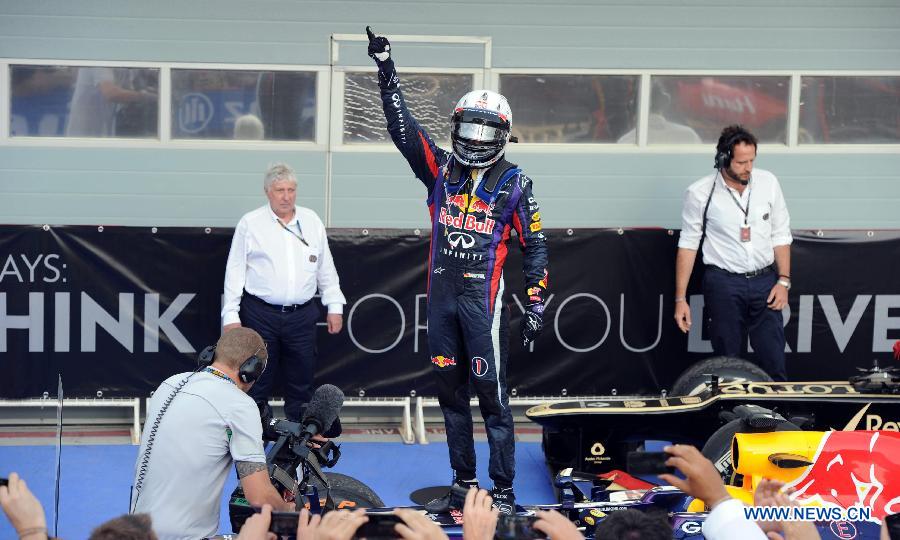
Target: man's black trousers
(735, 309)
(290, 338)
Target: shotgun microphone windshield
(323, 409)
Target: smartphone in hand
(892, 524)
(516, 527)
(284, 523)
(379, 526)
(648, 463)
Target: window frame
(641, 146)
(164, 139)
(330, 113)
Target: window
(429, 96)
(849, 110)
(572, 108)
(243, 104)
(701, 105)
(73, 101)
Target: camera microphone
(323, 409)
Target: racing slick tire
(694, 380)
(718, 447)
(348, 492)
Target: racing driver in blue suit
(476, 198)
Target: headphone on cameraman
(249, 371)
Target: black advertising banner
(117, 310)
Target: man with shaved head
(198, 424)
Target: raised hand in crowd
(23, 510)
(257, 526)
(765, 496)
(702, 480)
(479, 517)
(790, 529)
(726, 518)
(416, 526)
(556, 526)
(334, 525)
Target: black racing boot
(454, 499)
(504, 500)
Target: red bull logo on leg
(443, 361)
(544, 280)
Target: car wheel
(695, 379)
(348, 492)
(718, 447)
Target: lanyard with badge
(745, 230)
(299, 236)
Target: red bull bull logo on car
(467, 222)
(854, 468)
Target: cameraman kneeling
(197, 425)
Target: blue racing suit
(472, 212)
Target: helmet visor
(479, 132)
(479, 125)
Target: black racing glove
(532, 322)
(379, 46)
(380, 50)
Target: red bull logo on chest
(467, 222)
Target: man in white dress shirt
(741, 218)
(279, 259)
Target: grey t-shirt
(209, 425)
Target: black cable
(151, 436)
(59, 419)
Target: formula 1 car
(833, 471)
(595, 435)
(867, 476)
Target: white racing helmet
(479, 128)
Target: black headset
(250, 369)
(725, 152)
